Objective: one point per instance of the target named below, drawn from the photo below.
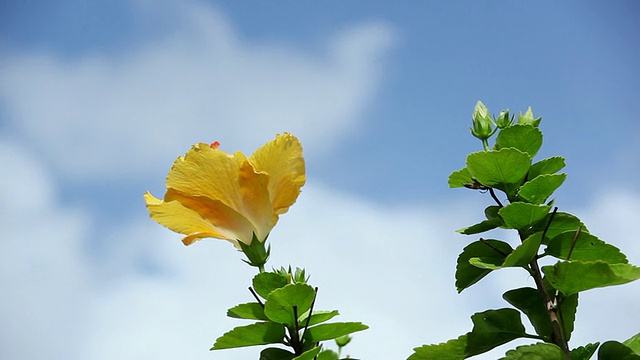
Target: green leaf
(613, 350)
(328, 355)
(330, 331)
(584, 352)
(561, 222)
(546, 166)
(539, 351)
(280, 303)
(264, 283)
(467, 274)
(492, 212)
(524, 253)
(276, 354)
(525, 138)
(634, 343)
(568, 305)
(252, 311)
(519, 215)
(571, 277)
(459, 178)
(538, 189)
(481, 227)
(503, 169)
(493, 328)
(451, 350)
(318, 317)
(309, 354)
(261, 333)
(529, 301)
(587, 247)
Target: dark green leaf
(586, 248)
(330, 331)
(276, 354)
(546, 166)
(319, 317)
(252, 311)
(467, 274)
(584, 352)
(261, 333)
(280, 303)
(568, 305)
(491, 212)
(538, 189)
(459, 178)
(525, 138)
(634, 343)
(613, 350)
(571, 277)
(451, 350)
(519, 215)
(264, 283)
(529, 301)
(481, 227)
(493, 328)
(309, 354)
(539, 351)
(503, 169)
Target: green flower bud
(504, 120)
(482, 122)
(343, 340)
(528, 119)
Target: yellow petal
(198, 218)
(282, 160)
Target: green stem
(485, 143)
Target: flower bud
(482, 122)
(528, 119)
(504, 120)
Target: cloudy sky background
(98, 98)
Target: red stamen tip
(214, 145)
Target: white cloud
(119, 115)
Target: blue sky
(98, 98)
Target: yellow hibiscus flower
(213, 194)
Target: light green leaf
(276, 354)
(613, 350)
(481, 227)
(468, 274)
(309, 354)
(493, 328)
(459, 178)
(503, 169)
(328, 355)
(634, 343)
(571, 277)
(524, 253)
(538, 189)
(587, 247)
(561, 222)
(330, 331)
(525, 138)
(319, 317)
(539, 351)
(280, 304)
(451, 350)
(264, 283)
(261, 333)
(519, 215)
(584, 352)
(547, 166)
(252, 311)
(529, 301)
